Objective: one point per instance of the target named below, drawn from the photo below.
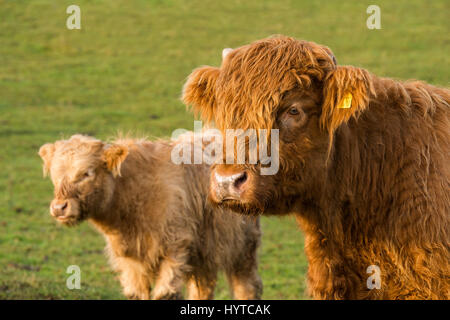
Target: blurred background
(123, 71)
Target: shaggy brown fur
(160, 232)
(370, 184)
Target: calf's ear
(46, 152)
(346, 93)
(199, 91)
(113, 156)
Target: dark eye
(293, 111)
(88, 173)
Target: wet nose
(230, 186)
(58, 208)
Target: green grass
(123, 71)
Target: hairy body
(160, 231)
(369, 182)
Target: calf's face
(83, 171)
(278, 83)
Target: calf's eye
(88, 173)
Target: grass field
(123, 71)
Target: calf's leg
(201, 288)
(135, 281)
(244, 279)
(246, 285)
(170, 280)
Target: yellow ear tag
(346, 102)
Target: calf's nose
(229, 186)
(58, 208)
